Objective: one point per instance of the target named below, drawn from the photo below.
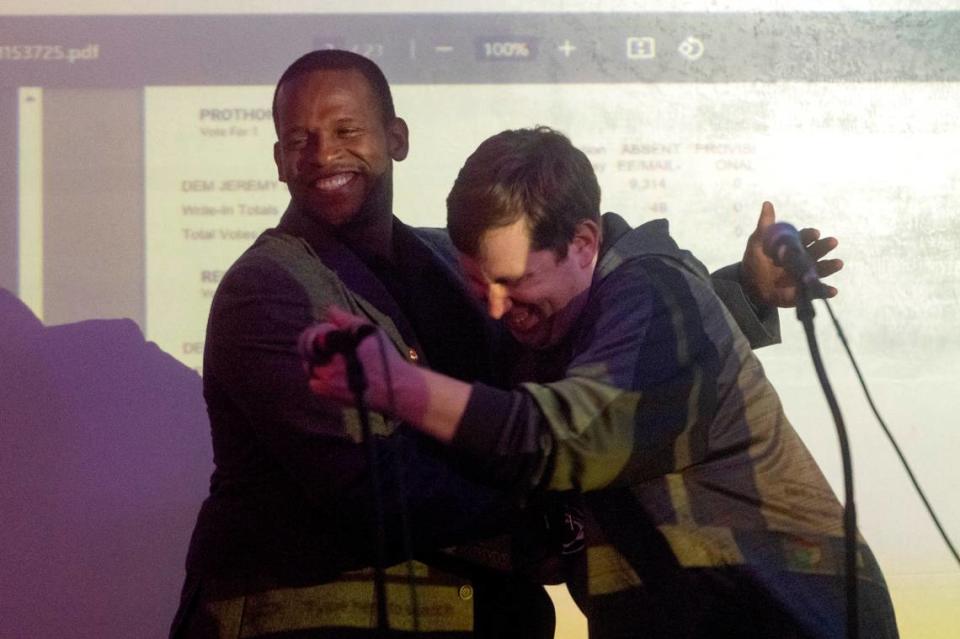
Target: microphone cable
(357, 383)
(805, 314)
(405, 527)
(890, 437)
(346, 342)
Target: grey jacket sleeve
(760, 324)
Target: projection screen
(137, 164)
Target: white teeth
(333, 182)
(518, 318)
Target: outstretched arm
(659, 359)
(433, 402)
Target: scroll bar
(30, 204)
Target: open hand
(768, 284)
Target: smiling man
(706, 516)
(338, 136)
(281, 543)
(537, 295)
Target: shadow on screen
(104, 459)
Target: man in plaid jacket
(642, 404)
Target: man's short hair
(533, 173)
(337, 60)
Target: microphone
(781, 243)
(342, 341)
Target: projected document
(211, 189)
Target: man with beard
(706, 517)
(289, 520)
(281, 542)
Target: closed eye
(512, 282)
(295, 141)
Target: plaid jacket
(659, 413)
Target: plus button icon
(566, 48)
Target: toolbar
(488, 48)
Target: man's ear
(277, 152)
(585, 246)
(398, 139)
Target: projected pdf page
(211, 189)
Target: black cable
(805, 314)
(890, 438)
(346, 343)
(357, 382)
(405, 528)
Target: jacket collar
(355, 274)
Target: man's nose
(325, 150)
(498, 302)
